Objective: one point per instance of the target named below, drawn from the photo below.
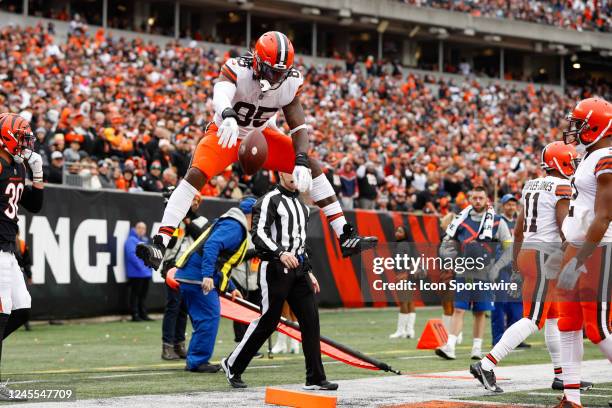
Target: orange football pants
(211, 159)
(588, 304)
(538, 292)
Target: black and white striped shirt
(279, 223)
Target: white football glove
(228, 132)
(552, 266)
(302, 178)
(36, 165)
(569, 275)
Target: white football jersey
(539, 200)
(584, 189)
(254, 107)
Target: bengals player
(249, 92)
(585, 282)
(537, 235)
(16, 142)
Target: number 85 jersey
(254, 107)
(12, 184)
(584, 191)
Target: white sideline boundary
(368, 392)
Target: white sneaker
(446, 352)
(410, 334)
(294, 347)
(476, 354)
(460, 338)
(399, 334)
(281, 344)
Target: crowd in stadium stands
(571, 14)
(112, 113)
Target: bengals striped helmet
(560, 156)
(273, 57)
(15, 134)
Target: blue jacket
(134, 267)
(227, 234)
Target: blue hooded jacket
(134, 266)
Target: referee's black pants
(278, 286)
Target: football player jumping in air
(16, 143)
(585, 281)
(545, 202)
(248, 93)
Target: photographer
(279, 235)
(175, 313)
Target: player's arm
(32, 197)
(296, 119)
(223, 94)
(518, 238)
(561, 211)
(602, 219)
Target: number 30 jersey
(12, 184)
(254, 107)
(582, 206)
(539, 200)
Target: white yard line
(366, 392)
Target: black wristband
(229, 113)
(301, 159)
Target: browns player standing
(585, 281)
(16, 142)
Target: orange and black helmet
(15, 134)
(273, 57)
(589, 122)
(560, 156)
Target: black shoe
(557, 385)
(524, 345)
(136, 318)
(322, 385)
(146, 318)
(351, 243)
(6, 394)
(233, 379)
(151, 254)
(258, 355)
(205, 368)
(486, 378)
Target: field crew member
(280, 219)
(508, 310)
(207, 265)
(474, 234)
(174, 322)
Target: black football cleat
(486, 378)
(557, 385)
(322, 385)
(152, 254)
(352, 244)
(233, 379)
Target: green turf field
(123, 358)
(596, 397)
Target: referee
(279, 234)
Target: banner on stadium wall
(77, 242)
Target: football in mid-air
(253, 152)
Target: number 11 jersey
(254, 107)
(539, 200)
